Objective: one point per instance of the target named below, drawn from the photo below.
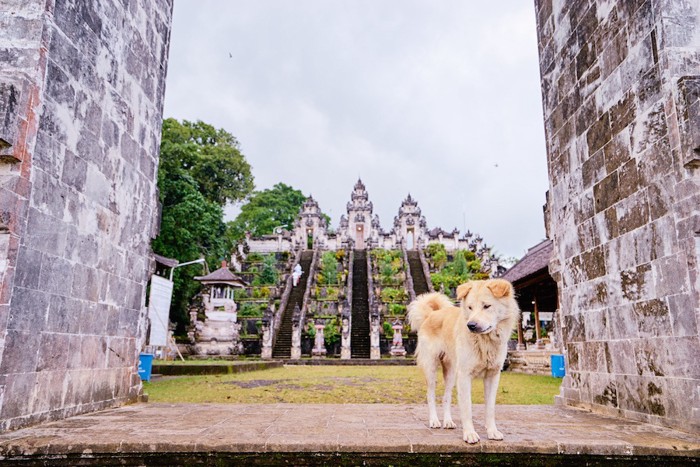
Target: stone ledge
(224, 367)
(349, 433)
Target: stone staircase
(420, 284)
(359, 334)
(283, 343)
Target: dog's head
(487, 303)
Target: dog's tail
(421, 307)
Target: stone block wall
(620, 86)
(81, 97)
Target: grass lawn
(337, 385)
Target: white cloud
(414, 96)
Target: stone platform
(351, 434)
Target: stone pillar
(319, 349)
(538, 331)
(621, 103)
(521, 341)
(397, 349)
(374, 351)
(296, 334)
(81, 98)
(267, 325)
(345, 353)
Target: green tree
(267, 209)
(212, 156)
(268, 275)
(329, 268)
(192, 211)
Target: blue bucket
(145, 366)
(558, 370)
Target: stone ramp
(350, 434)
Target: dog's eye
(486, 306)
(470, 307)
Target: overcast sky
(439, 98)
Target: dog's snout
(472, 326)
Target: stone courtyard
(348, 434)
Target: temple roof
(223, 275)
(536, 259)
(169, 262)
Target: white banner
(159, 310)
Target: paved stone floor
(159, 429)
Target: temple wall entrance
(81, 97)
(621, 99)
(411, 239)
(360, 237)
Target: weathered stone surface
(270, 433)
(627, 266)
(81, 88)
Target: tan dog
(469, 342)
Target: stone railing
(271, 328)
(346, 314)
(426, 270)
(374, 351)
(298, 325)
(408, 274)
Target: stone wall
(620, 91)
(81, 97)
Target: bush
(268, 275)
(248, 310)
(332, 293)
(261, 292)
(387, 330)
(389, 264)
(396, 309)
(331, 334)
(254, 258)
(311, 329)
(241, 294)
(328, 273)
(390, 294)
(437, 255)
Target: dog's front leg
(491, 380)
(431, 378)
(464, 396)
(449, 373)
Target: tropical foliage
(265, 211)
(464, 266)
(201, 169)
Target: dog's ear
(463, 290)
(500, 288)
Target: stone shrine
(218, 332)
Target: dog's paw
(494, 434)
(471, 437)
(449, 424)
(435, 423)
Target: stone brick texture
(621, 89)
(81, 97)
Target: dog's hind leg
(449, 374)
(491, 380)
(464, 396)
(430, 370)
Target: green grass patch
(338, 385)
